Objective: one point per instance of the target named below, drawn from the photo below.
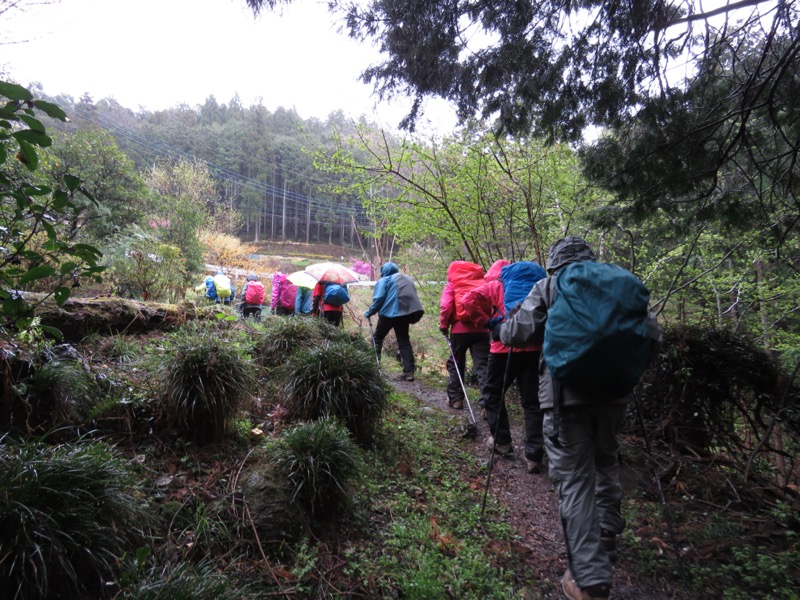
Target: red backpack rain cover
(463, 276)
(254, 293)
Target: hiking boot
(483, 414)
(457, 404)
(574, 592)
(608, 540)
(501, 449)
(408, 375)
(533, 466)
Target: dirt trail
(533, 506)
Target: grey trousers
(584, 467)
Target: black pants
(334, 317)
(522, 367)
(401, 332)
(477, 344)
(282, 311)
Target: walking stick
(374, 347)
(491, 456)
(460, 380)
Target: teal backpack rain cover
(597, 340)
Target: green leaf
(68, 267)
(39, 272)
(12, 91)
(52, 331)
(34, 137)
(33, 123)
(61, 295)
(27, 155)
(51, 231)
(60, 198)
(50, 109)
(73, 182)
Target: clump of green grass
(56, 393)
(337, 379)
(68, 513)
(204, 382)
(319, 461)
(186, 582)
(286, 335)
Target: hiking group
(575, 337)
(326, 299)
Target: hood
(389, 268)
(278, 277)
(252, 277)
(494, 271)
(209, 278)
(568, 250)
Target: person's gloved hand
(445, 331)
(366, 314)
(496, 330)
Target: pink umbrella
(332, 272)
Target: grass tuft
(337, 379)
(68, 513)
(319, 461)
(204, 383)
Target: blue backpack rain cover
(336, 295)
(518, 280)
(597, 340)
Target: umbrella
(302, 279)
(332, 272)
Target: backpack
(597, 339)
(287, 294)
(464, 276)
(222, 283)
(211, 292)
(336, 295)
(254, 293)
(518, 280)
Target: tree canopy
(698, 103)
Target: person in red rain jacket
(506, 366)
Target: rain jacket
(394, 294)
(447, 314)
(527, 325)
(485, 302)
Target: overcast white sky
(160, 53)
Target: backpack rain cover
(597, 340)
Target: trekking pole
(491, 456)
(374, 347)
(460, 380)
(667, 516)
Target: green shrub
(67, 515)
(204, 382)
(337, 379)
(318, 460)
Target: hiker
(219, 289)
(507, 365)
(253, 295)
(284, 293)
(397, 304)
(302, 302)
(328, 300)
(581, 431)
(462, 336)
(208, 289)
